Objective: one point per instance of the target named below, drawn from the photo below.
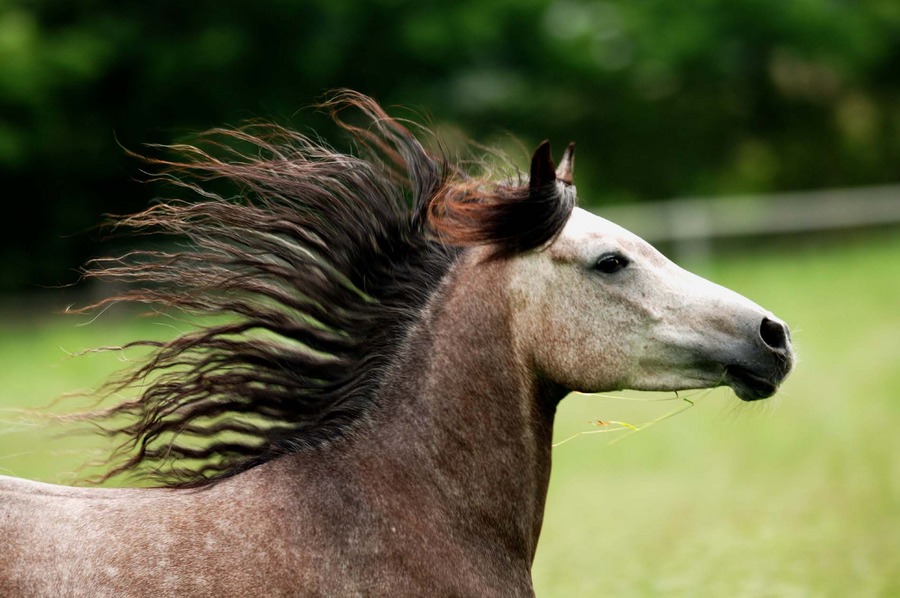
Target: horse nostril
(774, 334)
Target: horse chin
(749, 386)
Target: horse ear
(543, 172)
(566, 165)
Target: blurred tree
(664, 98)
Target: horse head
(598, 309)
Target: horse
(374, 415)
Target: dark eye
(611, 263)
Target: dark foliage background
(664, 98)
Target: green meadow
(795, 496)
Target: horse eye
(611, 263)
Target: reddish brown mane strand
(513, 218)
(321, 262)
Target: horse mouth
(747, 385)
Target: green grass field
(797, 496)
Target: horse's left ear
(543, 171)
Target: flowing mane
(320, 262)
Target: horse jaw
(650, 326)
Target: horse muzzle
(765, 365)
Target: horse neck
(468, 415)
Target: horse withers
(375, 416)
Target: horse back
(272, 531)
(56, 541)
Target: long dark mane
(318, 261)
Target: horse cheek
(569, 343)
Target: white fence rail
(690, 224)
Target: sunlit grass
(47, 364)
(795, 496)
